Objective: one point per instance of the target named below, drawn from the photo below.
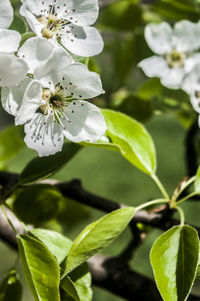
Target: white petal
(43, 135)
(186, 36)
(12, 71)
(192, 81)
(159, 37)
(155, 66)
(80, 82)
(6, 14)
(11, 98)
(9, 40)
(79, 12)
(82, 41)
(173, 79)
(51, 69)
(190, 62)
(86, 122)
(31, 102)
(35, 51)
(33, 22)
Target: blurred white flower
(175, 49)
(53, 105)
(67, 21)
(12, 68)
(191, 85)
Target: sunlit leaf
(174, 258)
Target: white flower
(53, 107)
(12, 68)
(191, 85)
(68, 21)
(175, 51)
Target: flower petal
(86, 123)
(154, 66)
(186, 36)
(12, 71)
(9, 40)
(159, 37)
(80, 82)
(79, 12)
(51, 69)
(31, 102)
(6, 14)
(11, 98)
(33, 22)
(43, 135)
(173, 79)
(82, 41)
(191, 82)
(35, 51)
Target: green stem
(8, 219)
(154, 202)
(187, 197)
(160, 186)
(182, 215)
(188, 183)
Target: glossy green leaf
(197, 181)
(78, 284)
(11, 288)
(37, 204)
(11, 143)
(133, 139)
(58, 244)
(96, 236)
(40, 268)
(40, 168)
(174, 258)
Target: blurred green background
(166, 113)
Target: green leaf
(78, 284)
(11, 288)
(37, 204)
(58, 244)
(70, 290)
(133, 139)
(96, 236)
(41, 269)
(11, 143)
(40, 168)
(197, 181)
(174, 258)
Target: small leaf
(11, 288)
(133, 139)
(58, 244)
(18, 24)
(70, 290)
(174, 258)
(197, 181)
(96, 236)
(41, 269)
(37, 204)
(40, 168)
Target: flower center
(53, 25)
(175, 59)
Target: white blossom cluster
(177, 59)
(42, 85)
